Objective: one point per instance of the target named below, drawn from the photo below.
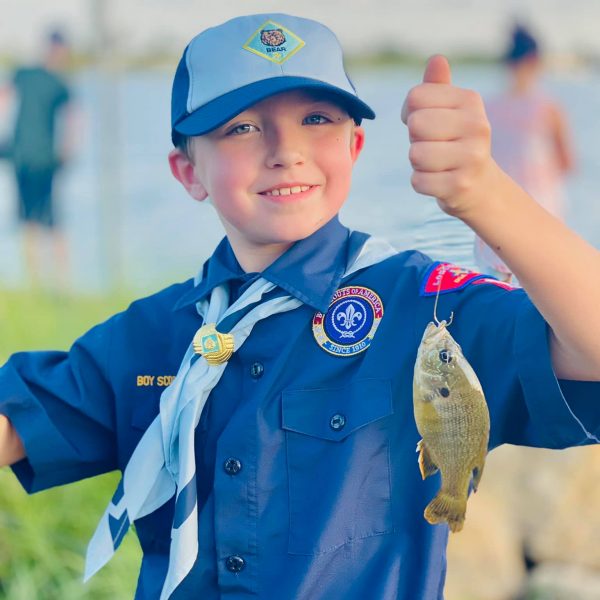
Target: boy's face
(276, 172)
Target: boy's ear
(183, 170)
(357, 141)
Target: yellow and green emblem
(216, 347)
(274, 42)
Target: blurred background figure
(530, 137)
(40, 147)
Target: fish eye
(445, 356)
(444, 392)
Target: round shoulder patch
(350, 322)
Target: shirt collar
(311, 270)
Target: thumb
(437, 70)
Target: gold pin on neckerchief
(216, 347)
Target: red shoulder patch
(446, 277)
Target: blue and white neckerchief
(163, 463)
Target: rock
(572, 531)
(555, 581)
(531, 482)
(539, 502)
(485, 559)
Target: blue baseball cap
(226, 69)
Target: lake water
(124, 212)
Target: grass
(43, 537)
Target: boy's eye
(316, 119)
(242, 128)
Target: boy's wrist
(481, 198)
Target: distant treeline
(379, 58)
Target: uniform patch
(447, 277)
(350, 323)
(274, 42)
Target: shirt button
(235, 563)
(232, 466)
(256, 370)
(337, 422)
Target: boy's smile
(289, 192)
(275, 173)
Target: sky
(136, 27)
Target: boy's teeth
(287, 191)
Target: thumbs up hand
(449, 142)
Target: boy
(298, 477)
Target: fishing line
(437, 295)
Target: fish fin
(426, 464)
(477, 473)
(445, 507)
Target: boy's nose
(284, 151)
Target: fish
(453, 419)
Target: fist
(449, 140)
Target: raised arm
(450, 155)
(11, 448)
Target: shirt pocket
(337, 442)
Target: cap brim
(220, 110)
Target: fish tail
(449, 508)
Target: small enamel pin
(216, 347)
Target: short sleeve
(552, 407)
(506, 340)
(583, 398)
(62, 406)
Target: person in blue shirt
(261, 413)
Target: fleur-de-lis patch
(350, 323)
(349, 320)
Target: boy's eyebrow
(329, 104)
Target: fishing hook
(437, 295)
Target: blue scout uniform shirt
(308, 484)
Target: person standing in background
(41, 145)
(530, 138)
